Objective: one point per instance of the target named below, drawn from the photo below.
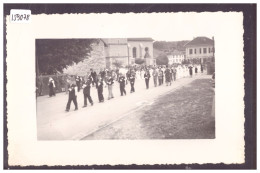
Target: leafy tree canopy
(117, 63)
(162, 59)
(53, 55)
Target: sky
(159, 26)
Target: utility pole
(128, 46)
(213, 48)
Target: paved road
(53, 123)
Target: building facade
(110, 52)
(200, 48)
(125, 51)
(175, 57)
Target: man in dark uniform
(190, 70)
(99, 87)
(201, 68)
(86, 92)
(132, 81)
(102, 73)
(168, 76)
(51, 87)
(128, 74)
(122, 83)
(94, 76)
(110, 82)
(72, 97)
(147, 78)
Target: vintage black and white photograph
(125, 88)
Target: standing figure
(160, 77)
(132, 81)
(114, 75)
(78, 81)
(110, 83)
(102, 73)
(168, 76)
(94, 77)
(150, 71)
(39, 85)
(138, 75)
(72, 97)
(51, 87)
(99, 87)
(171, 72)
(155, 77)
(190, 70)
(142, 74)
(86, 92)
(174, 71)
(201, 68)
(122, 83)
(163, 72)
(196, 70)
(128, 74)
(147, 78)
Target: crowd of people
(106, 78)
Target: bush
(139, 61)
(162, 60)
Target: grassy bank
(183, 114)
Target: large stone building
(126, 50)
(200, 48)
(108, 52)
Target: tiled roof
(200, 41)
(140, 39)
(176, 52)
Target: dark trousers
(160, 82)
(74, 99)
(40, 90)
(122, 90)
(51, 92)
(174, 76)
(155, 81)
(132, 87)
(100, 94)
(87, 96)
(147, 83)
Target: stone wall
(96, 61)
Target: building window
(134, 52)
(204, 50)
(200, 50)
(195, 51)
(190, 51)
(209, 50)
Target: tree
(139, 61)
(162, 59)
(117, 63)
(53, 55)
